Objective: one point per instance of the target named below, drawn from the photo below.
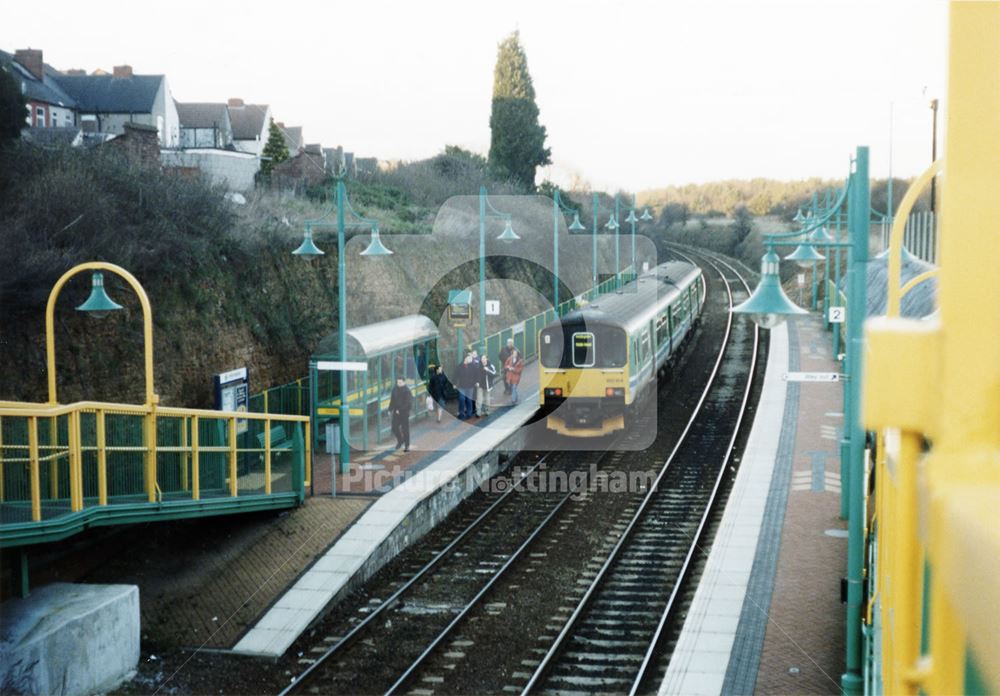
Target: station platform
(766, 617)
(413, 492)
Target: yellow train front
(598, 362)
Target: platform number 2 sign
(836, 315)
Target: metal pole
(851, 681)
(593, 239)
(618, 267)
(555, 250)
(482, 264)
(634, 269)
(814, 296)
(826, 267)
(345, 423)
(934, 110)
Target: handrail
(895, 260)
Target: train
(601, 360)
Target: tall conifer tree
(517, 142)
(275, 149)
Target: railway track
(496, 541)
(610, 643)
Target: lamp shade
(307, 248)
(98, 304)
(645, 215)
(821, 235)
(508, 235)
(768, 306)
(799, 217)
(631, 217)
(375, 246)
(576, 225)
(805, 255)
(612, 224)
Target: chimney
(75, 71)
(123, 71)
(31, 60)
(235, 101)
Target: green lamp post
(768, 307)
(557, 208)
(309, 250)
(486, 210)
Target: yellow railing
(152, 453)
(932, 392)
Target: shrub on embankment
(218, 283)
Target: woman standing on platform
(436, 388)
(514, 367)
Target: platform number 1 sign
(837, 315)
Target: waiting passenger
(400, 405)
(514, 367)
(436, 387)
(504, 354)
(467, 378)
(487, 374)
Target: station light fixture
(98, 305)
(646, 217)
(805, 255)
(375, 246)
(768, 306)
(576, 225)
(308, 248)
(508, 235)
(611, 224)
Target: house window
(39, 117)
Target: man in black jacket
(504, 354)
(400, 405)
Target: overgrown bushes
(64, 206)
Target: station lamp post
(309, 250)
(486, 210)
(99, 305)
(557, 208)
(612, 224)
(768, 307)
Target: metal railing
(61, 465)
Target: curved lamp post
(557, 208)
(99, 305)
(486, 210)
(309, 250)
(765, 307)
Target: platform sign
(339, 365)
(811, 377)
(801, 280)
(492, 307)
(837, 315)
(232, 393)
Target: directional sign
(812, 377)
(492, 307)
(837, 315)
(347, 366)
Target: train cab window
(550, 347)
(583, 349)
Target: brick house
(49, 106)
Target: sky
(634, 94)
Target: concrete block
(69, 639)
